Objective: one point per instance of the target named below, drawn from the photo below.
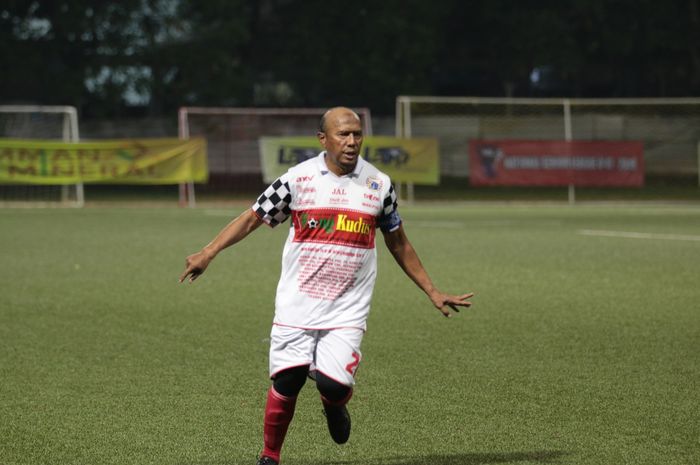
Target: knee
(332, 390)
(289, 382)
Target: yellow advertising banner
(404, 160)
(128, 161)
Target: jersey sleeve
(272, 206)
(389, 220)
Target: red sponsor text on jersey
(334, 226)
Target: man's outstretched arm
(235, 231)
(406, 256)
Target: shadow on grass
(485, 458)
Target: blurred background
(129, 66)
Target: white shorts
(333, 352)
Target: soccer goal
(669, 129)
(40, 122)
(232, 139)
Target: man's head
(340, 134)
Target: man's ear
(321, 138)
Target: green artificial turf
(580, 348)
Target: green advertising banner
(127, 161)
(404, 160)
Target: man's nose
(352, 140)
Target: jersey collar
(323, 167)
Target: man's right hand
(195, 265)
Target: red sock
(279, 411)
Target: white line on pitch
(638, 235)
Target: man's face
(342, 140)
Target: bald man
(336, 203)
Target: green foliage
(111, 58)
(578, 350)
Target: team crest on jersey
(374, 183)
(334, 226)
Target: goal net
(47, 123)
(232, 139)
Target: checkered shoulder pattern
(390, 219)
(390, 202)
(273, 205)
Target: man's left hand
(445, 302)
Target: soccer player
(336, 202)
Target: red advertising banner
(555, 163)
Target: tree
(152, 56)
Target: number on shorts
(352, 366)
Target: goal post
(40, 122)
(233, 133)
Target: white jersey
(329, 263)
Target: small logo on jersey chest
(304, 178)
(306, 202)
(374, 183)
(339, 191)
